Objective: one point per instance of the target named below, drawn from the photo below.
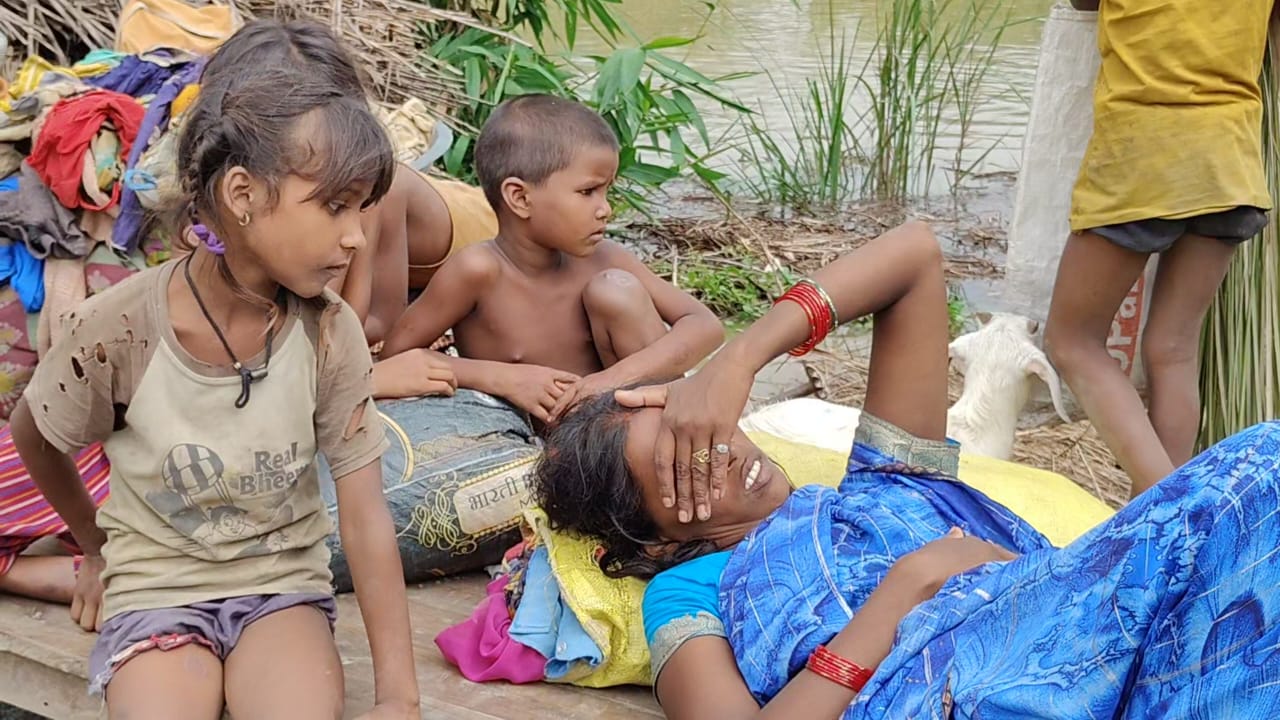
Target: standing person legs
(1187, 280)
(1094, 277)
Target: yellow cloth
(184, 100)
(146, 25)
(1177, 127)
(33, 70)
(1054, 505)
(610, 609)
(411, 127)
(472, 217)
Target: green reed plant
(868, 127)
(1240, 373)
(643, 92)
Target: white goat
(997, 362)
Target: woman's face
(735, 514)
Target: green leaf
(691, 113)
(649, 174)
(619, 74)
(472, 73)
(670, 41)
(677, 145)
(570, 28)
(712, 177)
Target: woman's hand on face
(927, 569)
(699, 420)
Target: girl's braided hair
(279, 100)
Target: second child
(550, 311)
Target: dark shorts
(216, 625)
(1157, 235)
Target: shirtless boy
(549, 311)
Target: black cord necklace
(247, 377)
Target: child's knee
(615, 293)
(1062, 345)
(1169, 349)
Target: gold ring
(702, 456)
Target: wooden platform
(43, 658)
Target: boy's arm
(695, 330)
(368, 537)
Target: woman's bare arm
(898, 279)
(701, 681)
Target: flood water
(783, 42)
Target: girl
(409, 232)
(214, 381)
(895, 596)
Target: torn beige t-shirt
(208, 501)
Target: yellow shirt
(1177, 126)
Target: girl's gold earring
(245, 219)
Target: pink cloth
(481, 648)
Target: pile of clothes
(550, 614)
(85, 150)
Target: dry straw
(383, 34)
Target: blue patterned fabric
(1169, 609)
(795, 581)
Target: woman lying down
(905, 593)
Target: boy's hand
(414, 373)
(593, 384)
(536, 389)
(86, 602)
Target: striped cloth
(25, 516)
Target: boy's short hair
(533, 136)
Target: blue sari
(1169, 609)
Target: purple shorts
(216, 624)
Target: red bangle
(841, 671)
(818, 310)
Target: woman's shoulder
(688, 589)
(681, 604)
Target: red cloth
(58, 155)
